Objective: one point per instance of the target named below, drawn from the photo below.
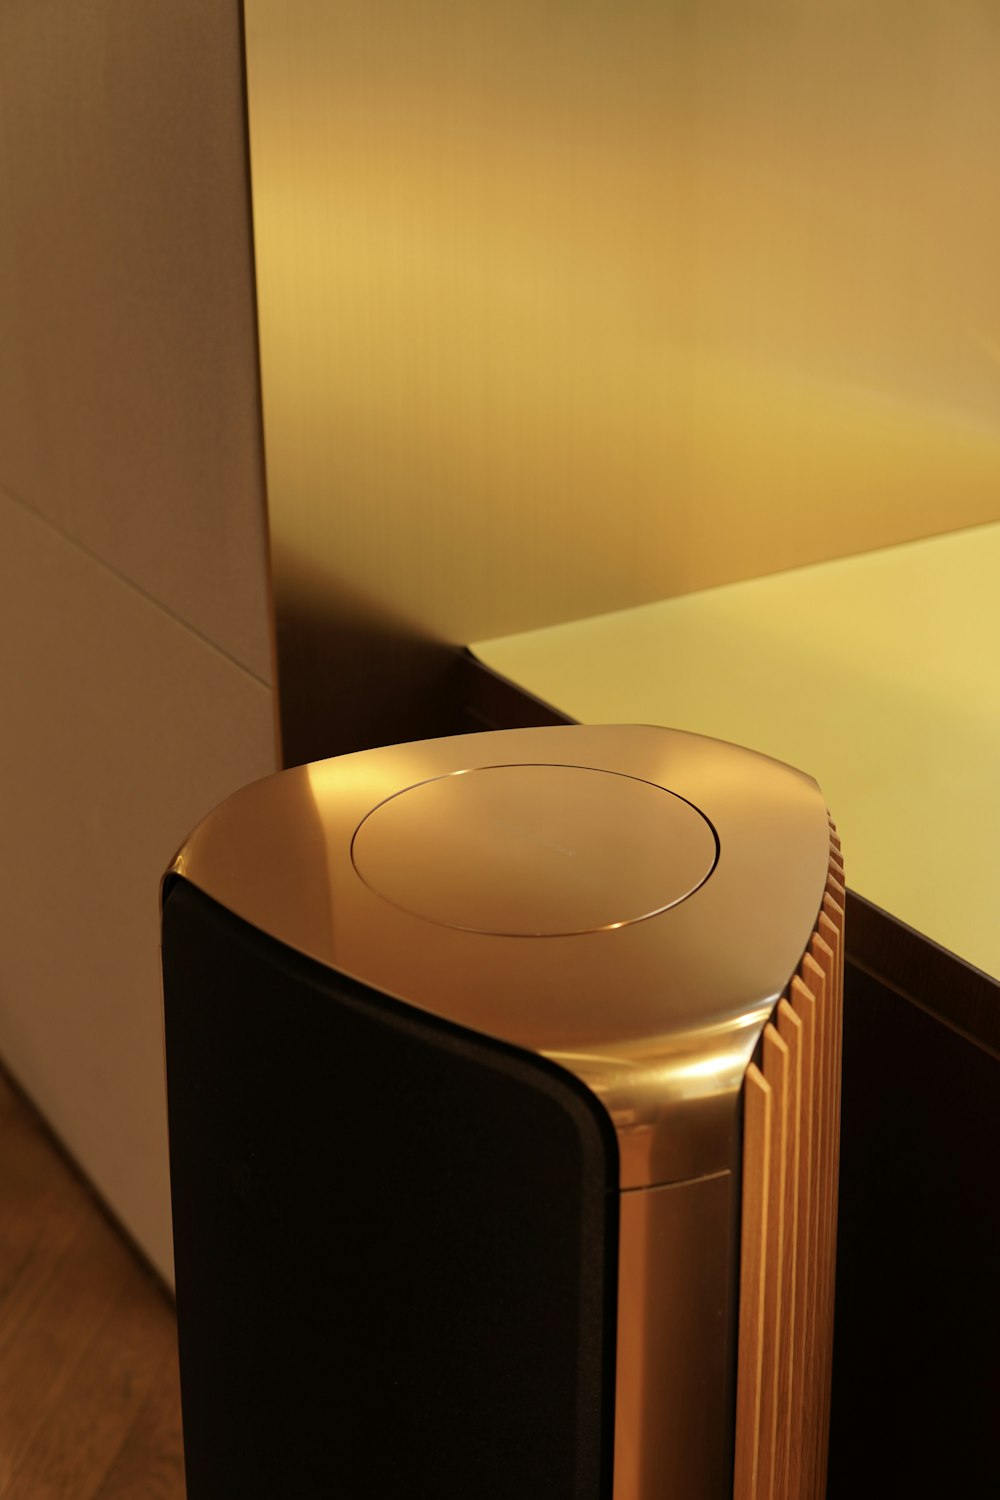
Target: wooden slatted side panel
(832, 934)
(776, 1074)
(804, 1004)
(791, 1140)
(749, 1379)
(790, 1030)
(814, 972)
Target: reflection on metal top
(676, 896)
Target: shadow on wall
(352, 674)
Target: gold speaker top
(627, 901)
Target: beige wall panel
(564, 308)
(120, 728)
(128, 385)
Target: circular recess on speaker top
(534, 850)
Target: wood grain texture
(89, 1400)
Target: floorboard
(89, 1400)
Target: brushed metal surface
(568, 308)
(673, 1404)
(657, 1017)
(535, 850)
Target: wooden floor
(89, 1401)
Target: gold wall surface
(564, 308)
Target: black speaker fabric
(432, 1218)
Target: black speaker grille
(395, 1240)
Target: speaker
(504, 1112)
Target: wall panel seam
(95, 557)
